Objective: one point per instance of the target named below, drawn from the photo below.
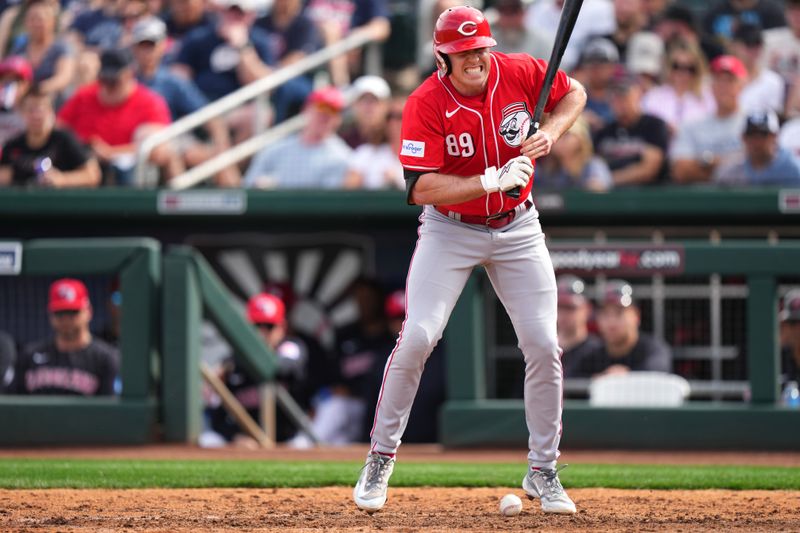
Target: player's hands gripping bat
(516, 173)
(569, 14)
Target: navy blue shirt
(46, 68)
(299, 36)
(213, 61)
(182, 96)
(98, 29)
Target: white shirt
(596, 18)
(378, 165)
(782, 52)
(767, 91)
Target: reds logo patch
(468, 28)
(515, 123)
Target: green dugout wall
(180, 289)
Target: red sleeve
(561, 83)
(156, 110)
(422, 147)
(68, 111)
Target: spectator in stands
(315, 158)
(598, 62)
(764, 89)
(790, 337)
(513, 35)
(782, 53)
(631, 19)
(16, 76)
(8, 358)
(686, 95)
(646, 59)
(72, 361)
(292, 37)
(679, 23)
(722, 19)
(50, 56)
(596, 18)
(375, 164)
(267, 313)
(572, 163)
(336, 19)
(12, 25)
(574, 311)
(44, 156)
(227, 55)
(765, 163)
(635, 144)
(702, 149)
(114, 114)
(183, 16)
(181, 95)
(371, 97)
(624, 348)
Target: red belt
(495, 221)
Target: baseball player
(463, 146)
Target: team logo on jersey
(413, 148)
(515, 124)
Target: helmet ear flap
(442, 62)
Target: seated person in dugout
(574, 311)
(624, 347)
(72, 362)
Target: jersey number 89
(461, 147)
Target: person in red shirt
(463, 147)
(115, 113)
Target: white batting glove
(516, 172)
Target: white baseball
(510, 505)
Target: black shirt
(790, 368)
(647, 354)
(621, 146)
(43, 369)
(65, 152)
(571, 359)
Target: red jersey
(446, 132)
(116, 125)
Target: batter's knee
(415, 345)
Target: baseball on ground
(510, 505)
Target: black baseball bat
(569, 14)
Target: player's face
(69, 325)
(571, 317)
(617, 324)
(470, 71)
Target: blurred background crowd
(680, 91)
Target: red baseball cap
(729, 64)
(266, 309)
(17, 65)
(327, 96)
(68, 295)
(395, 306)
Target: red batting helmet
(461, 28)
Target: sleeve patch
(413, 148)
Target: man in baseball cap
(766, 163)
(572, 324)
(73, 361)
(624, 348)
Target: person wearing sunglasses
(72, 361)
(686, 95)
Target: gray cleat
(543, 483)
(370, 491)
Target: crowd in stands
(679, 92)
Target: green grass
(54, 473)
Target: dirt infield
(418, 509)
(428, 510)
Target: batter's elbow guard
(411, 178)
